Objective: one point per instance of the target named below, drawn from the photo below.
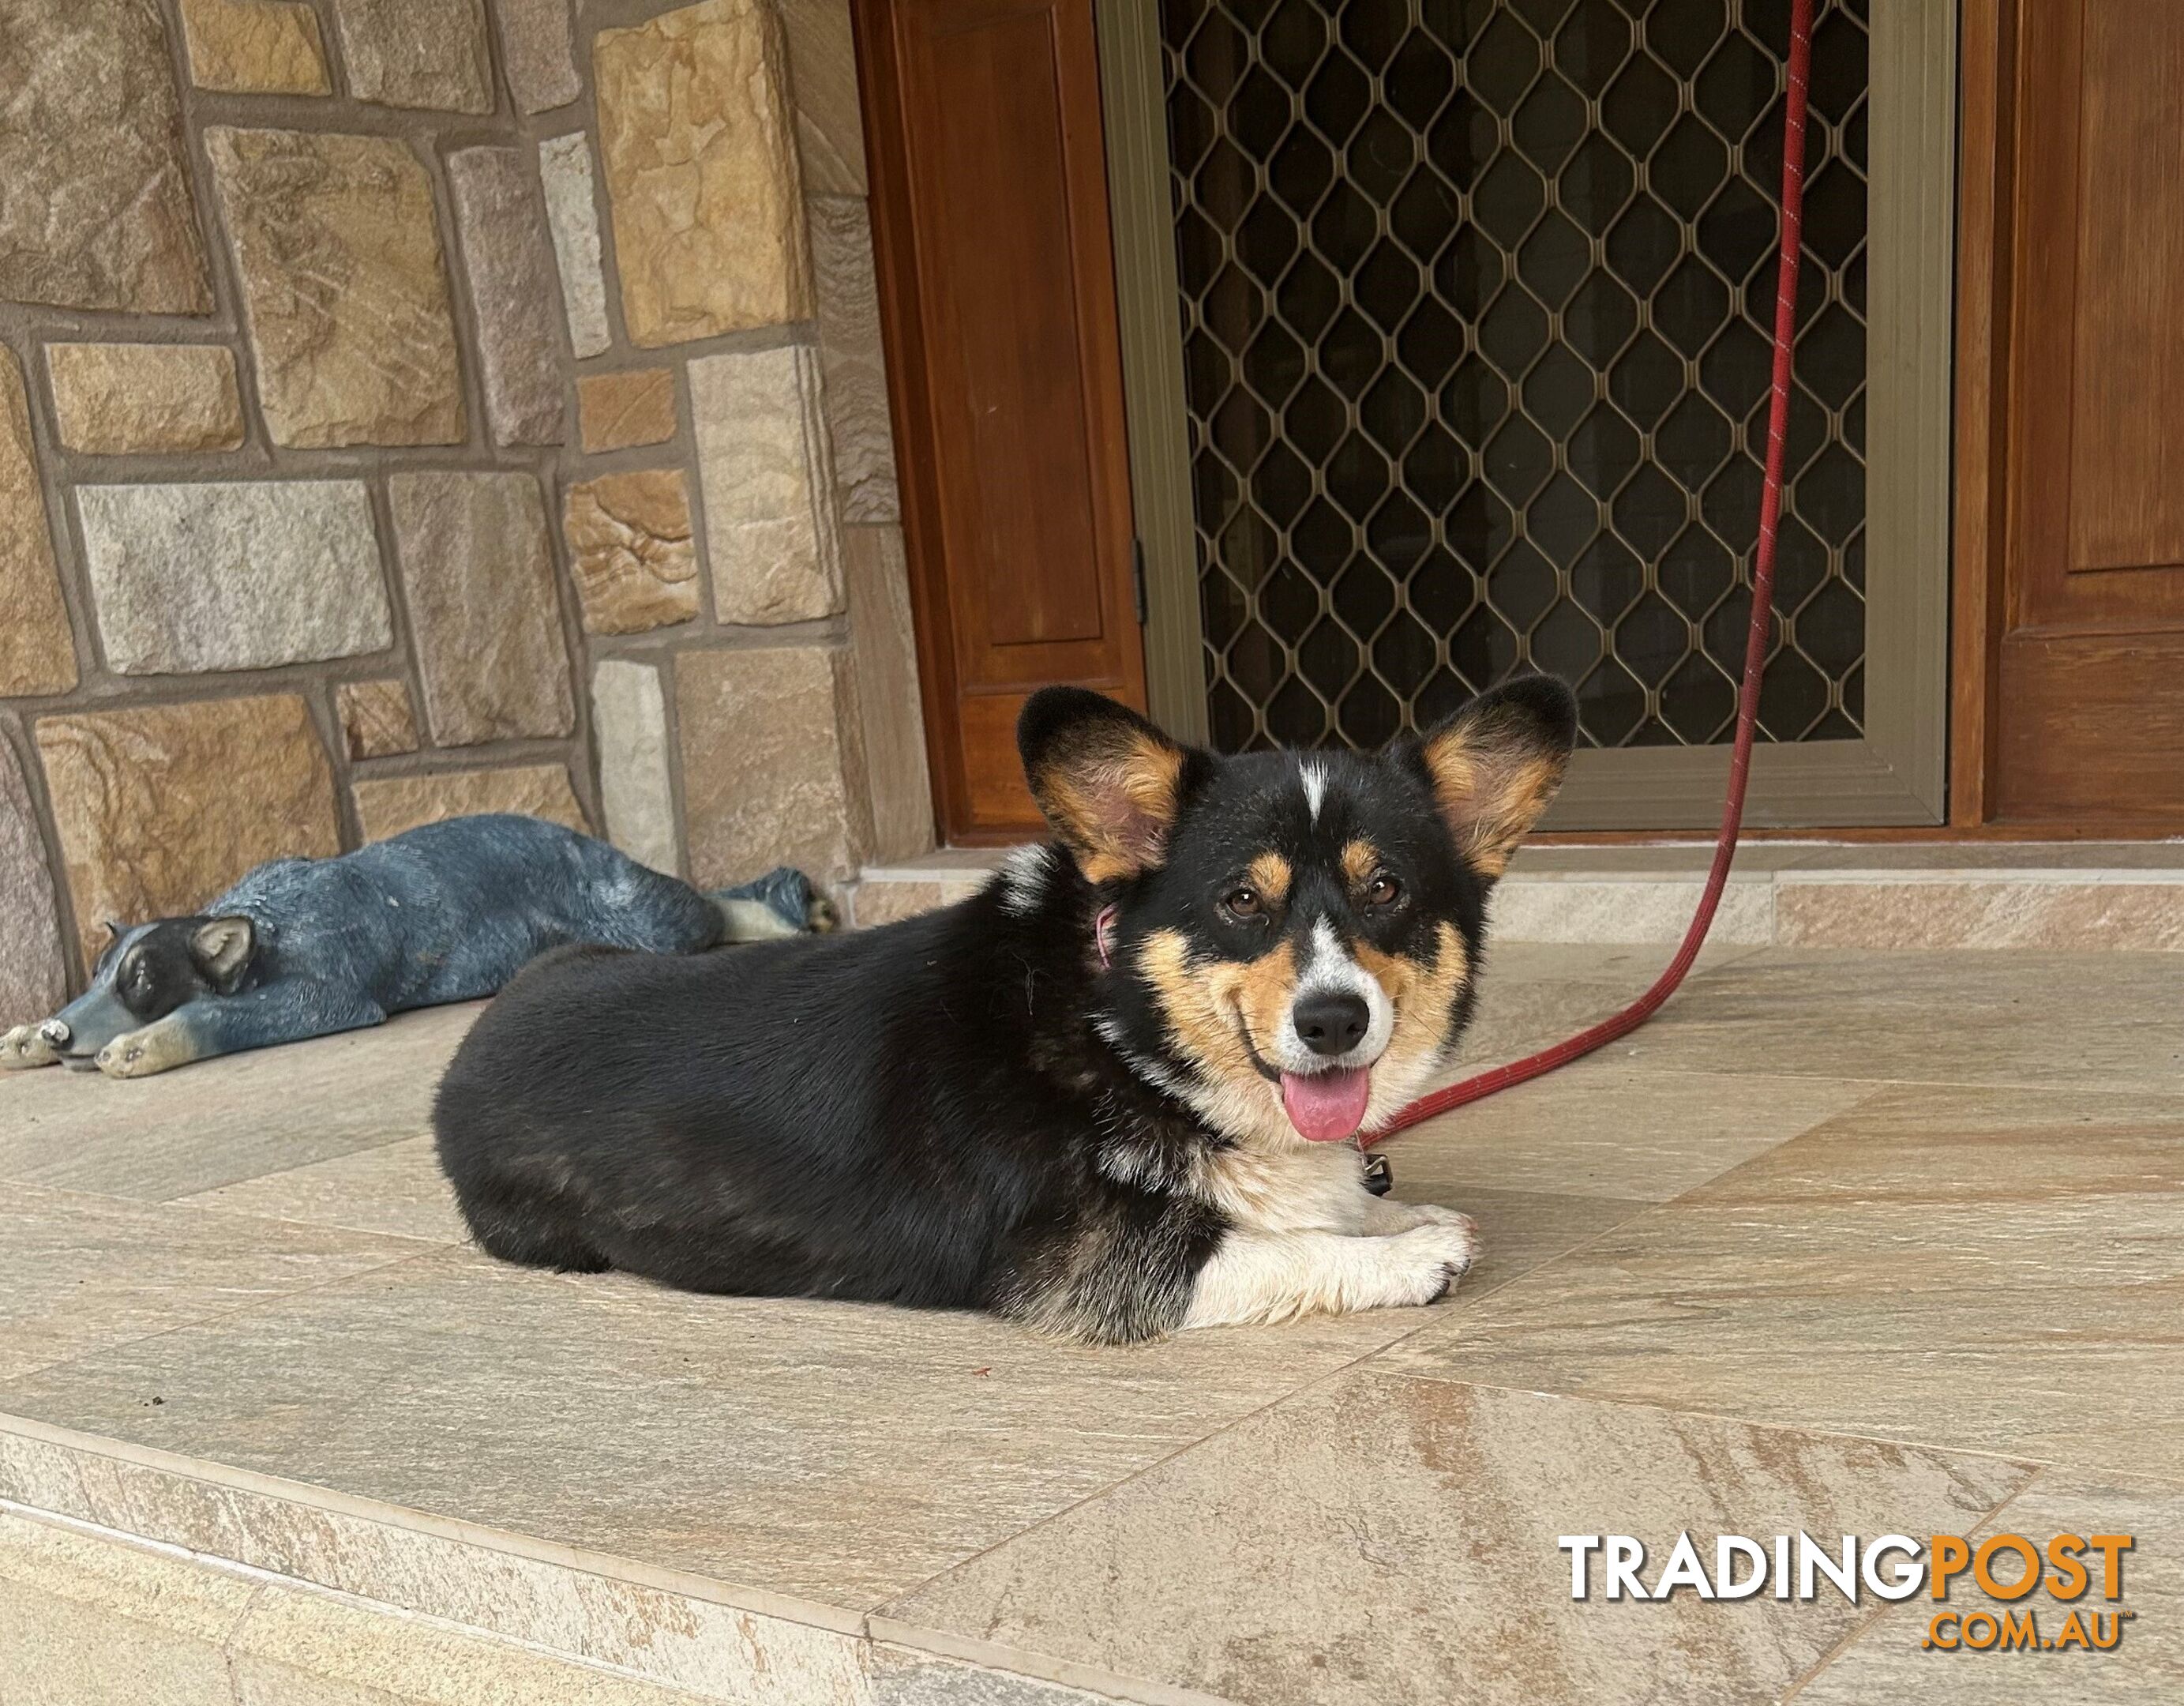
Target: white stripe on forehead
(1313, 775)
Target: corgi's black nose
(1331, 1021)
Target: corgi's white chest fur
(1292, 1188)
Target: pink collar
(1103, 936)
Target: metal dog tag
(1379, 1177)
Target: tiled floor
(1852, 1243)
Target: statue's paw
(139, 1054)
(23, 1047)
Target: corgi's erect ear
(1109, 782)
(1496, 764)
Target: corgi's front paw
(1430, 1259)
(23, 1047)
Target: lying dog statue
(446, 912)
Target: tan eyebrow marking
(1270, 874)
(1360, 860)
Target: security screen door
(1467, 309)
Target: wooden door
(998, 300)
(2089, 707)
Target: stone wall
(412, 407)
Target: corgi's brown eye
(1383, 891)
(1244, 902)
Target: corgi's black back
(897, 1114)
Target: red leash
(1485, 1084)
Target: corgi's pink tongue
(1326, 1107)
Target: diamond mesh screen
(1477, 300)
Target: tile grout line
(183, 1199)
(43, 1369)
(1859, 1630)
(1991, 1454)
(186, 1204)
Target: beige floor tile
(81, 1275)
(1517, 1229)
(1888, 1660)
(298, 1648)
(86, 1622)
(1380, 1539)
(210, 1124)
(397, 1188)
(834, 1452)
(2097, 1021)
(1598, 1128)
(92, 1620)
(1534, 993)
(2001, 1271)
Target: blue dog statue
(449, 912)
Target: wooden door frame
(1897, 775)
(1134, 110)
(1986, 207)
(897, 239)
(879, 99)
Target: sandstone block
(629, 714)
(377, 719)
(772, 762)
(883, 646)
(95, 208)
(771, 532)
(538, 49)
(255, 47)
(233, 574)
(856, 364)
(113, 399)
(617, 411)
(701, 169)
(513, 292)
(162, 807)
(346, 290)
(565, 168)
(822, 63)
(478, 569)
(428, 53)
(36, 653)
(33, 980)
(388, 805)
(630, 546)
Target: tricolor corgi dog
(1111, 1095)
